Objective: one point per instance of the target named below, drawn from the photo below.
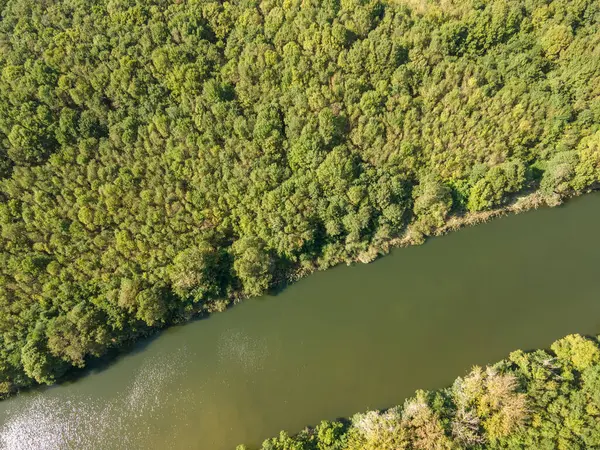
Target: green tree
(557, 180)
(38, 362)
(252, 265)
(499, 181)
(432, 203)
(193, 271)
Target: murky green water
(338, 342)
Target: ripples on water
(239, 348)
(48, 423)
(115, 418)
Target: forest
(164, 159)
(545, 399)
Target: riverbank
(537, 399)
(518, 204)
(414, 319)
(522, 202)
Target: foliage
(541, 399)
(498, 181)
(432, 203)
(160, 159)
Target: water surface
(335, 343)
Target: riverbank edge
(578, 351)
(521, 202)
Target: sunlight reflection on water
(243, 350)
(48, 423)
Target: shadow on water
(96, 365)
(111, 357)
(138, 344)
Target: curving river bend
(335, 343)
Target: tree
(432, 203)
(579, 351)
(38, 362)
(498, 182)
(252, 265)
(557, 180)
(193, 271)
(152, 306)
(556, 39)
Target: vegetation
(160, 159)
(540, 400)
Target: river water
(335, 343)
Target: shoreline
(527, 201)
(519, 373)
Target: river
(334, 343)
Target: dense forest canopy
(538, 400)
(163, 158)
